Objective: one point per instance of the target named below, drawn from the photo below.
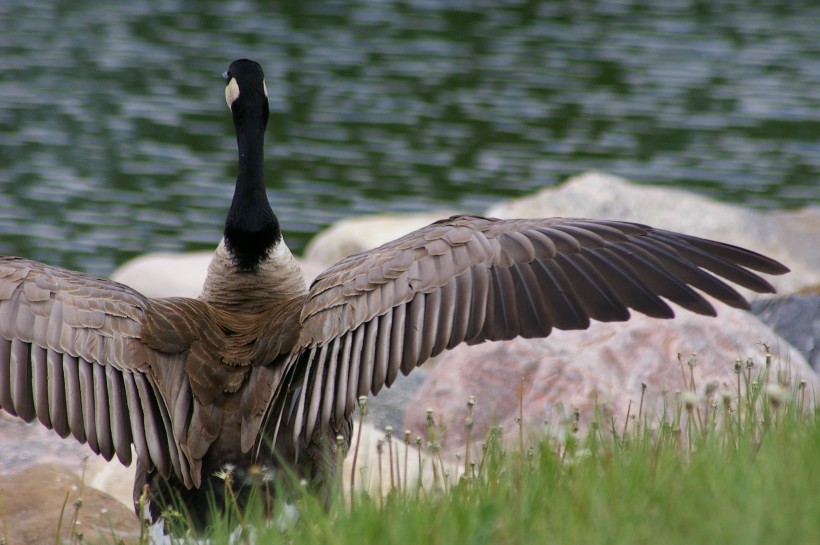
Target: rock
(24, 445)
(179, 275)
(32, 500)
(796, 318)
(605, 364)
(387, 408)
(31, 445)
(165, 274)
(354, 235)
(370, 480)
(789, 237)
(113, 478)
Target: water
(115, 139)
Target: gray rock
(387, 408)
(796, 318)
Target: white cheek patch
(231, 92)
(264, 87)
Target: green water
(115, 139)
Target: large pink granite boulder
(605, 364)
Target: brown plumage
(259, 363)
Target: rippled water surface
(115, 139)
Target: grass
(727, 467)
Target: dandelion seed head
(777, 394)
(689, 399)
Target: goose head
(245, 90)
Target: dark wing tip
(740, 256)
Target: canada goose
(259, 369)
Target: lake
(115, 139)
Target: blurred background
(115, 139)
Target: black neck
(251, 228)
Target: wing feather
(382, 356)
(137, 421)
(396, 343)
(40, 382)
(5, 377)
(152, 427)
(721, 259)
(561, 305)
(503, 323)
(411, 341)
(57, 411)
(102, 415)
(341, 386)
(356, 355)
(528, 299)
(302, 399)
(21, 394)
(463, 304)
(480, 302)
(690, 274)
(118, 414)
(316, 392)
(446, 318)
(655, 272)
(429, 331)
(169, 445)
(87, 406)
(73, 397)
(330, 384)
(366, 362)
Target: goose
(259, 369)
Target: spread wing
(472, 279)
(71, 356)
